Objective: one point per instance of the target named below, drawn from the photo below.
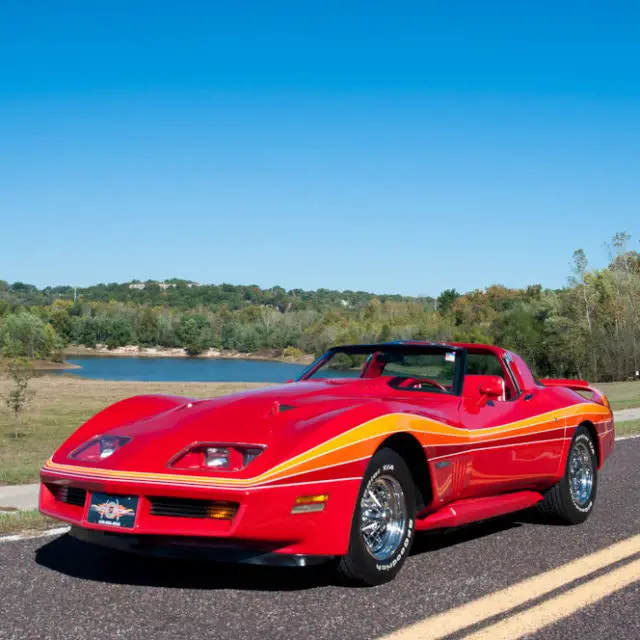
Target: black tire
(360, 566)
(559, 502)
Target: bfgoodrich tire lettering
(375, 559)
(571, 501)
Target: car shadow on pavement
(89, 562)
(442, 538)
(85, 561)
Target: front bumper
(263, 524)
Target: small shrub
(292, 353)
(17, 398)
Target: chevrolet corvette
(368, 446)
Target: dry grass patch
(629, 428)
(63, 403)
(622, 395)
(31, 521)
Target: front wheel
(383, 523)
(571, 501)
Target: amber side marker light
(222, 511)
(310, 504)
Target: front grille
(71, 495)
(188, 508)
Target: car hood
(286, 420)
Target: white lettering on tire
(403, 550)
(386, 467)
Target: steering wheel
(414, 382)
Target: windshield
(426, 368)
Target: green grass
(61, 404)
(630, 428)
(622, 395)
(26, 522)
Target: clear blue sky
(387, 146)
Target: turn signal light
(222, 510)
(320, 497)
(310, 504)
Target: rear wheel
(571, 500)
(383, 524)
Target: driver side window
(488, 364)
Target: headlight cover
(217, 457)
(99, 448)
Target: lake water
(183, 369)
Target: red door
(513, 445)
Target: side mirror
(288, 381)
(492, 389)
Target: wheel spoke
(375, 499)
(383, 517)
(580, 474)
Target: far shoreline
(133, 351)
(44, 366)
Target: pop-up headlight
(217, 457)
(99, 448)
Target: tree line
(588, 329)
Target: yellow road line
(454, 620)
(560, 607)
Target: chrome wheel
(580, 474)
(383, 517)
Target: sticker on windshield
(450, 356)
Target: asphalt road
(61, 588)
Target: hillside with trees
(589, 329)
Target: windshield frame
(405, 348)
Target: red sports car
(369, 445)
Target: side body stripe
(360, 442)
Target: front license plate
(113, 511)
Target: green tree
(446, 300)
(148, 332)
(193, 338)
(385, 333)
(20, 372)
(519, 330)
(26, 335)
(61, 322)
(118, 333)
